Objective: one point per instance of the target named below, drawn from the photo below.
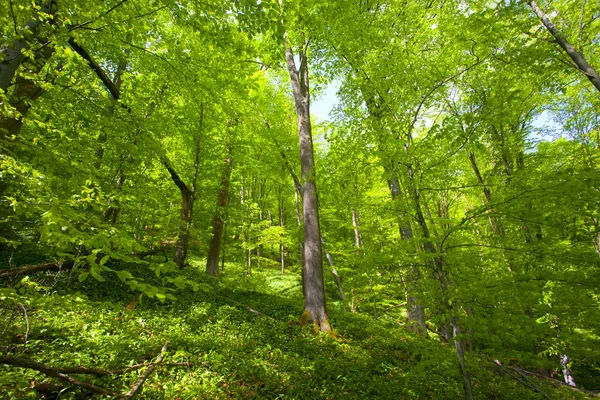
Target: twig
(54, 373)
(137, 386)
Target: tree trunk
(441, 275)
(212, 262)
(494, 223)
(13, 56)
(187, 204)
(314, 288)
(567, 376)
(578, 58)
(336, 277)
(187, 199)
(281, 247)
(181, 247)
(356, 226)
(415, 312)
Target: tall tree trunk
(187, 199)
(437, 264)
(112, 213)
(356, 227)
(415, 312)
(281, 224)
(181, 247)
(212, 262)
(314, 288)
(494, 223)
(580, 61)
(567, 376)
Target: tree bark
(356, 227)
(30, 269)
(415, 313)
(13, 55)
(314, 288)
(187, 199)
(567, 376)
(281, 224)
(578, 58)
(187, 203)
(212, 261)
(494, 223)
(336, 277)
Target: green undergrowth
(233, 352)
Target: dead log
(30, 269)
(55, 373)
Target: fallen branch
(137, 386)
(525, 381)
(79, 370)
(252, 310)
(55, 373)
(554, 381)
(29, 269)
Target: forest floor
(239, 340)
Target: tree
(313, 282)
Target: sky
(322, 105)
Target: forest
(175, 224)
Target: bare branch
(54, 373)
(137, 386)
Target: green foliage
(437, 186)
(233, 352)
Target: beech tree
(453, 190)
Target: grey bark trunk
(441, 275)
(336, 277)
(415, 312)
(494, 223)
(281, 247)
(567, 376)
(181, 247)
(314, 288)
(212, 261)
(356, 226)
(578, 58)
(13, 55)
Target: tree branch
(137, 386)
(113, 90)
(96, 19)
(29, 269)
(577, 57)
(55, 373)
(175, 176)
